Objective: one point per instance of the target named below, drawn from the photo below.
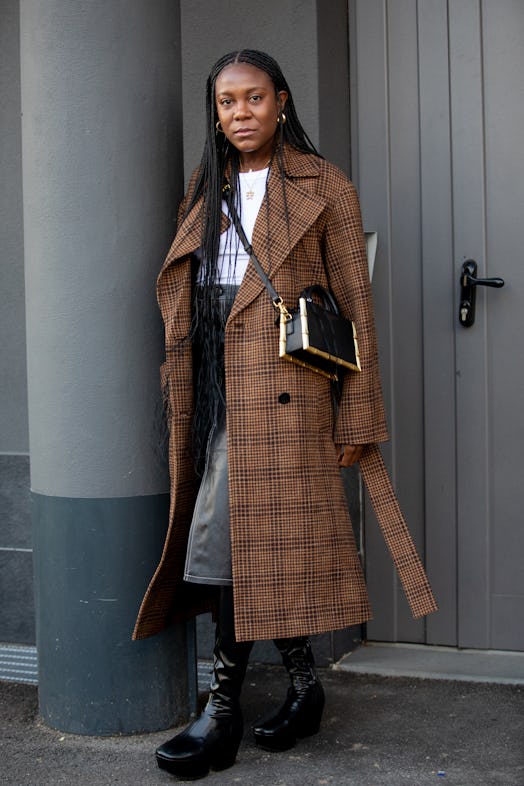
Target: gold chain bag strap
(314, 335)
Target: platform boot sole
(198, 766)
(283, 741)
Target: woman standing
(259, 530)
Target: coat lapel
(189, 235)
(303, 209)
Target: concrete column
(102, 174)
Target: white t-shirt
(232, 259)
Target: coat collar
(303, 207)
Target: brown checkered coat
(295, 565)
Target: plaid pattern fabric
(396, 534)
(295, 565)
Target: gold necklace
(250, 193)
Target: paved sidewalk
(377, 731)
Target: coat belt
(395, 531)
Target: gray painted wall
(309, 39)
(13, 381)
(286, 30)
(384, 104)
(16, 570)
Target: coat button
(284, 398)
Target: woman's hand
(349, 454)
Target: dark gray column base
(93, 560)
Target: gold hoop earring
(283, 120)
(219, 128)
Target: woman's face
(248, 108)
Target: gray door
(437, 152)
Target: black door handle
(468, 284)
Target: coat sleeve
(361, 418)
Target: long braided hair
(208, 325)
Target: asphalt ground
(376, 731)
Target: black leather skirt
(208, 556)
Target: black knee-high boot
(301, 713)
(212, 740)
